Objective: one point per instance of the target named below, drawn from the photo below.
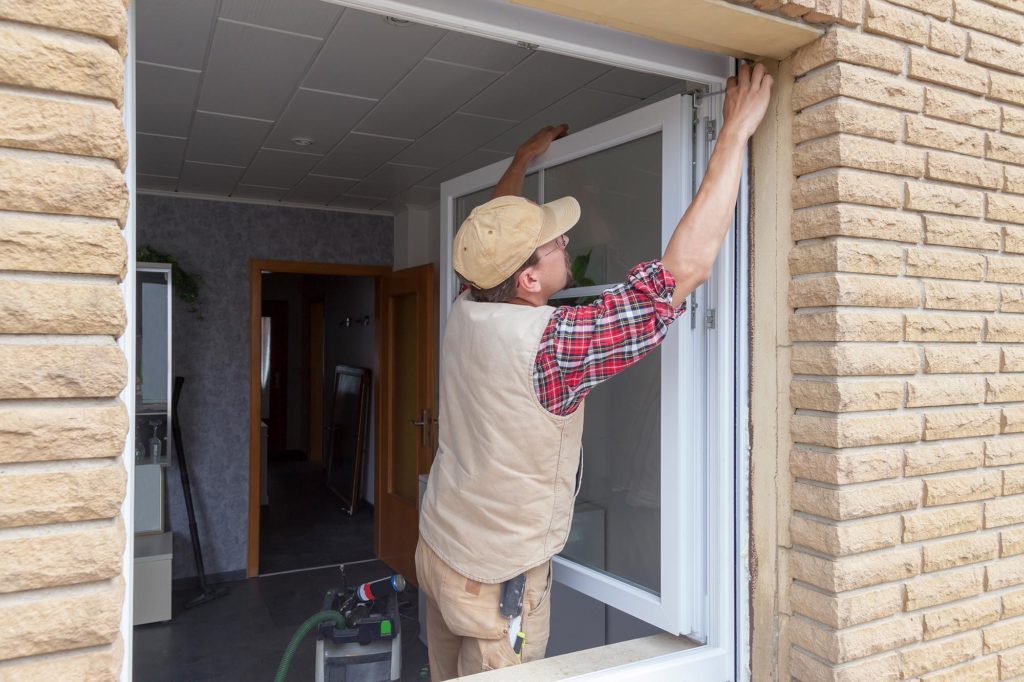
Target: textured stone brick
(960, 108)
(50, 60)
(1014, 239)
(933, 459)
(1005, 389)
(932, 327)
(971, 234)
(960, 296)
(854, 290)
(1005, 87)
(995, 52)
(853, 151)
(850, 573)
(930, 132)
(69, 127)
(961, 551)
(1003, 635)
(842, 255)
(857, 642)
(960, 617)
(1013, 179)
(55, 621)
(961, 359)
(102, 18)
(948, 71)
(1012, 120)
(61, 371)
(1004, 147)
(850, 47)
(851, 186)
(860, 83)
(924, 196)
(961, 424)
(37, 243)
(1015, 5)
(1011, 663)
(925, 262)
(1012, 359)
(844, 115)
(1005, 573)
(67, 185)
(65, 558)
(941, 522)
(1004, 328)
(856, 221)
(925, 658)
(942, 588)
(30, 307)
(980, 670)
(809, 669)
(847, 326)
(846, 609)
(845, 538)
(845, 395)
(1013, 420)
(982, 485)
(855, 503)
(36, 433)
(1011, 299)
(1011, 543)
(61, 496)
(947, 38)
(845, 466)
(96, 665)
(891, 21)
(988, 19)
(1013, 480)
(945, 391)
(965, 170)
(1004, 511)
(846, 431)
(1004, 450)
(855, 360)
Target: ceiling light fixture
(302, 141)
(395, 21)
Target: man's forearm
(511, 183)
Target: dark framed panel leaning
(347, 429)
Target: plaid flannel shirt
(585, 345)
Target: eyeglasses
(561, 241)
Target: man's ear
(528, 281)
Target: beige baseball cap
(499, 236)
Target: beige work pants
(466, 633)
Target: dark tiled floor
(304, 526)
(242, 635)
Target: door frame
(257, 267)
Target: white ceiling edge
(498, 20)
(260, 202)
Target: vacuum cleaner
(359, 637)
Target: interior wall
(217, 240)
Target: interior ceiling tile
(276, 168)
(482, 53)
(365, 203)
(165, 99)
(455, 137)
(310, 17)
(319, 189)
(323, 117)
(431, 92)
(254, 71)
(174, 33)
(367, 56)
(260, 192)
(580, 109)
(420, 196)
(159, 155)
(358, 155)
(470, 162)
(632, 83)
(209, 178)
(390, 179)
(535, 84)
(218, 138)
(160, 182)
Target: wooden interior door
(277, 392)
(406, 418)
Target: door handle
(424, 426)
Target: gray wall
(216, 240)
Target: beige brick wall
(906, 534)
(63, 204)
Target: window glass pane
(619, 190)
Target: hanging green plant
(186, 285)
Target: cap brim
(560, 216)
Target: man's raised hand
(746, 99)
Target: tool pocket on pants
(537, 612)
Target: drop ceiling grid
(409, 164)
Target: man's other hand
(541, 140)
(746, 99)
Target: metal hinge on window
(712, 128)
(709, 318)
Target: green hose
(310, 623)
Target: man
(515, 373)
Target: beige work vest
(500, 495)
